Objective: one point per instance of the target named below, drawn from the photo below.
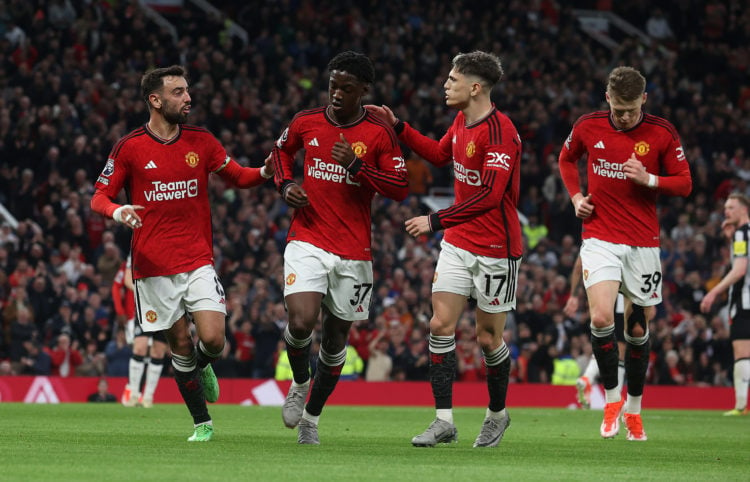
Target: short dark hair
(354, 63)
(480, 64)
(153, 80)
(626, 83)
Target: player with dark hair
(632, 157)
(350, 154)
(482, 246)
(736, 228)
(164, 167)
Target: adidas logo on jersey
(360, 309)
(599, 145)
(495, 302)
(150, 165)
(313, 142)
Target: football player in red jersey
(164, 166)
(482, 246)
(632, 157)
(350, 154)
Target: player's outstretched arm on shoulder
(384, 112)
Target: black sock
(497, 384)
(299, 361)
(326, 378)
(636, 365)
(191, 389)
(442, 373)
(605, 351)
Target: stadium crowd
(69, 76)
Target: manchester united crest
(641, 148)
(359, 148)
(151, 316)
(585, 274)
(291, 279)
(471, 149)
(191, 158)
(434, 277)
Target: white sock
(310, 418)
(741, 382)
(135, 374)
(592, 370)
(153, 373)
(612, 395)
(445, 414)
(633, 404)
(494, 415)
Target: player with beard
(632, 157)
(350, 155)
(164, 167)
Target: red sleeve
(242, 177)
(438, 153)
(390, 177)
(570, 153)
(102, 204)
(495, 179)
(677, 181)
(284, 150)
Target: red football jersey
(338, 216)
(624, 212)
(486, 159)
(169, 178)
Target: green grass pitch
(107, 442)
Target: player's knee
(601, 321)
(441, 327)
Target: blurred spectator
(118, 354)
(102, 393)
(65, 356)
(36, 361)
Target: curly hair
(480, 64)
(354, 63)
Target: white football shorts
(162, 300)
(637, 268)
(346, 284)
(491, 281)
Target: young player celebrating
(350, 154)
(482, 247)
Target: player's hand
(635, 170)
(707, 302)
(342, 152)
(268, 168)
(126, 214)
(296, 197)
(728, 229)
(571, 306)
(418, 226)
(384, 112)
(583, 206)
